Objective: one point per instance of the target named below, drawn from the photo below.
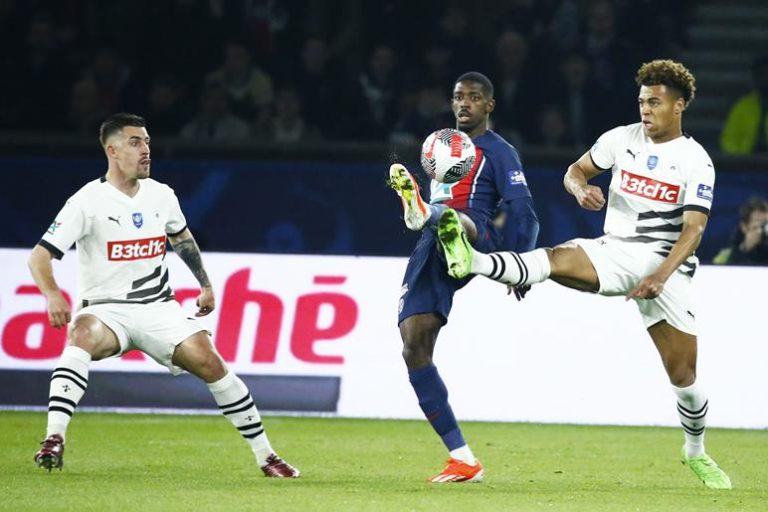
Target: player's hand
(205, 302)
(590, 197)
(519, 291)
(59, 313)
(649, 287)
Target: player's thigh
(94, 333)
(159, 328)
(571, 267)
(198, 356)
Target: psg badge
(138, 219)
(652, 161)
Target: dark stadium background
(370, 80)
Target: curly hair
(670, 73)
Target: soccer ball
(447, 155)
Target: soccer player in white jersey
(120, 224)
(658, 205)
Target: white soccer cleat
(415, 211)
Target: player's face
(131, 152)
(660, 112)
(471, 107)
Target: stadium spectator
(85, 108)
(287, 123)
(498, 192)
(249, 88)
(746, 127)
(430, 112)
(166, 105)
(580, 98)
(647, 253)
(515, 86)
(125, 301)
(378, 89)
(750, 241)
(551, 129)
(214, 122)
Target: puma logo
(631, 153)
(115, 220)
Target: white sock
(513, 268)
(464, 454)
(69, 381)
(692, 406)
(235, 401)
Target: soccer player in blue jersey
(496, 209)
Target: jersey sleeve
(68, 227)
(176, 222)
(700, 185)
(603, 152)
(509, 174)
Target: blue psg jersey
(496, 176)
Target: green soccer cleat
(456, 246)
(708, 471)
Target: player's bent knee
(89, 334)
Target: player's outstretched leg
(415, 211)
(707, 470)
(237, 405)
(453, 239)
(51, 453)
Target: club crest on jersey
(704, 192)
(138, 219)
(652, 162)
(53, 227)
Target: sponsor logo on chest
(649, 188)
(141, 249)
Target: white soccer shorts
(155, 328)
(621, 265)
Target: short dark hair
(475, 76)
(753, 204)
(670, 73)
(116, 122)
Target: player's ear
(490, 106)
(679, 106)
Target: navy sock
(433, 400)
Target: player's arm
(41, 268)
(185, 246)
(694, 223)
(576, 182)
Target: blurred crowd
(238, 70)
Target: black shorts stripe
(238, 402)
(54, 408)
(63, 400)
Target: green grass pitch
(199, 463)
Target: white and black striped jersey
(652, 185)
(120, 240)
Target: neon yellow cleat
(708, 471)
(456, 246)
(415, 210)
